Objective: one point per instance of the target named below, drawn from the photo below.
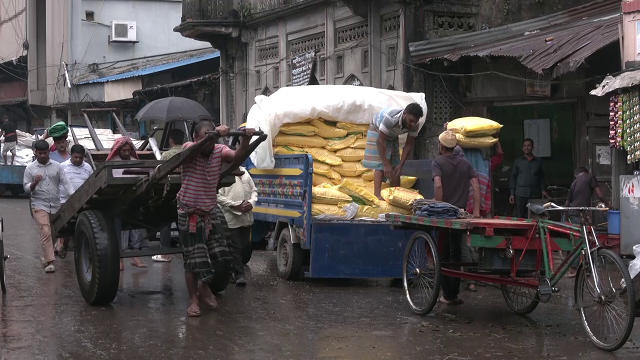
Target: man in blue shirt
(527, 180)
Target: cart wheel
(97, 257)
(247, 251)
(3, 286)
(289, 258)
(607, 318)
(520, 299)
(421, 273)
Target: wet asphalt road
(45, 317)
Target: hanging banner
(302, 67)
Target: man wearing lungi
(205, 251)
(382, 153)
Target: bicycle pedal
(545, 289)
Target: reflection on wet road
(44, 317)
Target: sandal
(193, 311)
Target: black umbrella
(173, 108)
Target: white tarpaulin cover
(347, 103)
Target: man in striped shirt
(382, 153)
(205, 250)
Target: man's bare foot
(456, 301)
(380, 197)
(194, 310)
(572, 273)
(207, 295)
(137, 263)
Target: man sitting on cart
(452, 176)
(205, 251)
(382, 153)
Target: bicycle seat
(536, 209)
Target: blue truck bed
(330, 249)
(11, 179)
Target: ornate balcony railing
(222, 9)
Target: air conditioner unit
(123, 31)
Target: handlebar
(551, 207)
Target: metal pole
(123, 131)
(92, 132)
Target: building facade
(354, 42)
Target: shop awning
(611, 83)
(562, 40)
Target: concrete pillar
(618, 167)
(330, 62)
(375, 45)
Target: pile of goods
(337, 149)
(624, 124)
(475, 132)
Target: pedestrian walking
(8, 130)
(205, 250)
(237, 202)
(42, 180)
(77, 172)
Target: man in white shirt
(237, 202)
(77, 171)
(42, 179)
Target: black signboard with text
(302, 68)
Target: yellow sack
(369, 175)
(324, 209)
(354, 168)
(354, 128)
(382, 208)
(358, 180)
(300, 141)
(322, 155)
(298, 129)
(351, 154)
(328, 132)
(476, 142)
(474, 126)
(360, 144)
(360, 195)
(407, 182)
(400, 197)
(318, 180)
(371, 188)
(287, 150)
(335, 145)
(326, 170)
(322, 195)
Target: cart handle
(551, 206)
(236, 133)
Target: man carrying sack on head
(382, 153)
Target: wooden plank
(465, 224)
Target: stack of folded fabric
(440, 211)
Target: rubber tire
(632, 301)
(289, 270)
(16, 190)
(438, 273)
(95, 230)
(221, 276)
(520, 311)
(247, 251)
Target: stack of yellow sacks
(475, 132)
(337, 149)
